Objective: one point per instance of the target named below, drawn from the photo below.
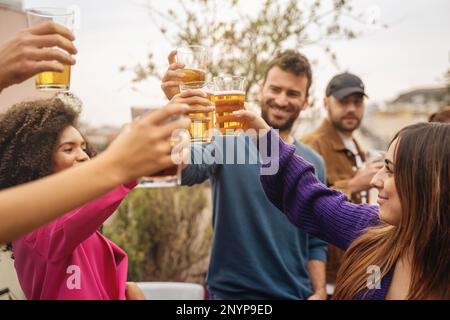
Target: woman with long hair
(67, 258)
(399, 249)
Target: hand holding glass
(49, 80)
(229, 97)
(202, 118)
(169, 177)
(195, 60)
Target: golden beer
(193, 75)
(202, 123)
(50, 80)
(226, 103)
(201, 126)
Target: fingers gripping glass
(202, 120)
(50, 80)
(169, 177)
(195, 59)
(229, 97)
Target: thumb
(246, 114)
(171, 57)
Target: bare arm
(143, 148)
(29, 206)
(316, 269)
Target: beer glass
(374, 155)
(202, 123)
(195, 59)
(49, 80)
(229, 97)
(169, 177)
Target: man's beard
(339, 123)
(287, 126)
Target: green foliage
(244, 43)
(165, 232)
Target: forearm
(194, 174)
(32, 205)
(198, 171)
(311, 206)
(76, 226)
(316, 269)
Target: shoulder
(309, 154)
(315, 139)
(310, 138)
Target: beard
(340, 124)
(286, 125)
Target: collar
(334, 138)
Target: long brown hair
(422, 179)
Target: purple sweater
(318, 210)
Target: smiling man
(256, 252)
(281, 95)
(344, 158)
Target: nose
(378, 180)
(351, 107)
(82, 156)
(281, 100)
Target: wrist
(321, 292)
(112, 172)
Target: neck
(286, 136)
(345, 134)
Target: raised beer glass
(202, 121)
(49, 80)
(169, 177)
(229, 97)
(195, 59)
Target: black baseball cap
(343, 85)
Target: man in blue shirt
(256, 252)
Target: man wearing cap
(344, 158)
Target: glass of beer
(170, 177)
(49, 80)
(229, 97)
(195, 59)
(202, 122)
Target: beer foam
(229, 92)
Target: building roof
(425, 94)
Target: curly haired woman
(68, 258)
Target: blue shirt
(256, 252)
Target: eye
(388, 170)
(274, 89)
(68, 150)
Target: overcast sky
(413, 52)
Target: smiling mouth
(278, 116)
